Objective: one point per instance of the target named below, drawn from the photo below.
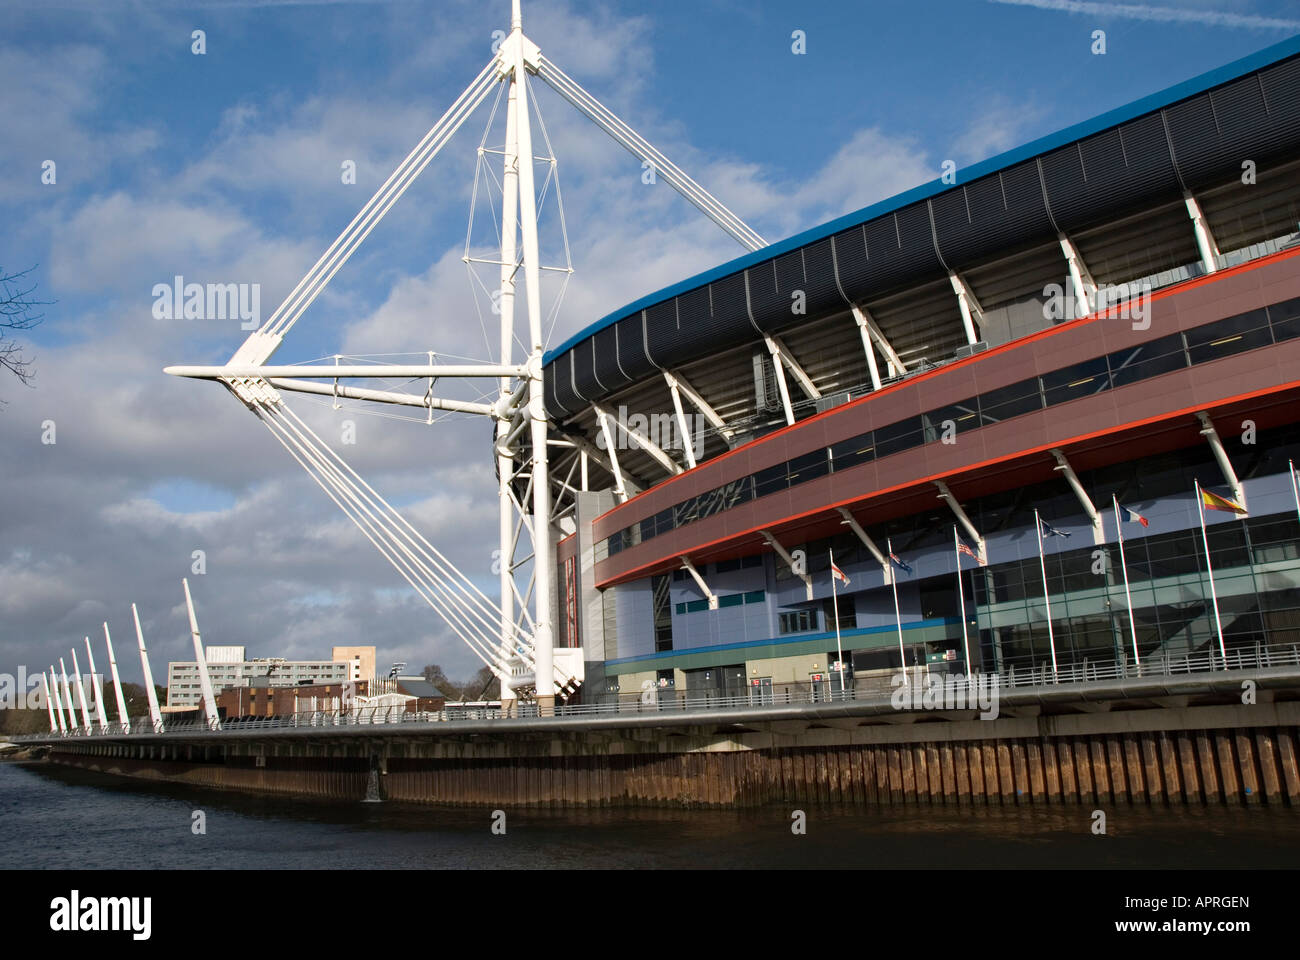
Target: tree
(435, 675)
(17, 312)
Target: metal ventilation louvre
(820, 285)
(900, 251)
(852, 271)
(696, 330)
(562, 374)
(991, 213)
(1116, 169)
(662, 334)
(631, 356)
(605, 351)
(1281, 85)
(1198, 149)
(731, 310)
(586, 381)
(764, 299)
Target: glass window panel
(1245, 331)
(899, 436)
(1078, 380)
(963, 415)
(770, 480)
(1147, 360)
(1285, 319)
(809, 466)
(853, 451)
(1010, 401)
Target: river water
(60, 818)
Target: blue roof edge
(1084, 128)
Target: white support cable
(369, 518)
(424, 587)
(370, 530)
(452, 606)
(410, 532)
(345, 245)
(639, 147)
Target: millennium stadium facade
(962, 398)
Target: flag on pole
(1132, 516)
(1212, 501)
(893, 558)
(966, 548)
(1051, 531)
(838, 574)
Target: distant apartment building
(361, 659)
(230, 666)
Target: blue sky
(225, 168)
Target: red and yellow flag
(1213, 501)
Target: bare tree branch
(18, 311)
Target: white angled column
(58, 701)
(67, 697)
(205, 681)
(49, 702)
(1205, 244)
(81, 692)
(100, 714)
(1211, 436)
(117, 684)
(1063, 467)
(155, 714)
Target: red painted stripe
(921, 482)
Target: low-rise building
(230, 666)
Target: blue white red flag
(1132, 516)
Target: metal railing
(658, 700)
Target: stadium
(984, 377)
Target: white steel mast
(516, 644)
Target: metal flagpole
(1047, 600)
(1128, 597)
(1295, 490)
(961, 599)
(1209, 569)
(898, 617)
(835, 603)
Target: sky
(226, 166)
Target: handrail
(657, 700)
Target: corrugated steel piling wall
(1150, 756)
